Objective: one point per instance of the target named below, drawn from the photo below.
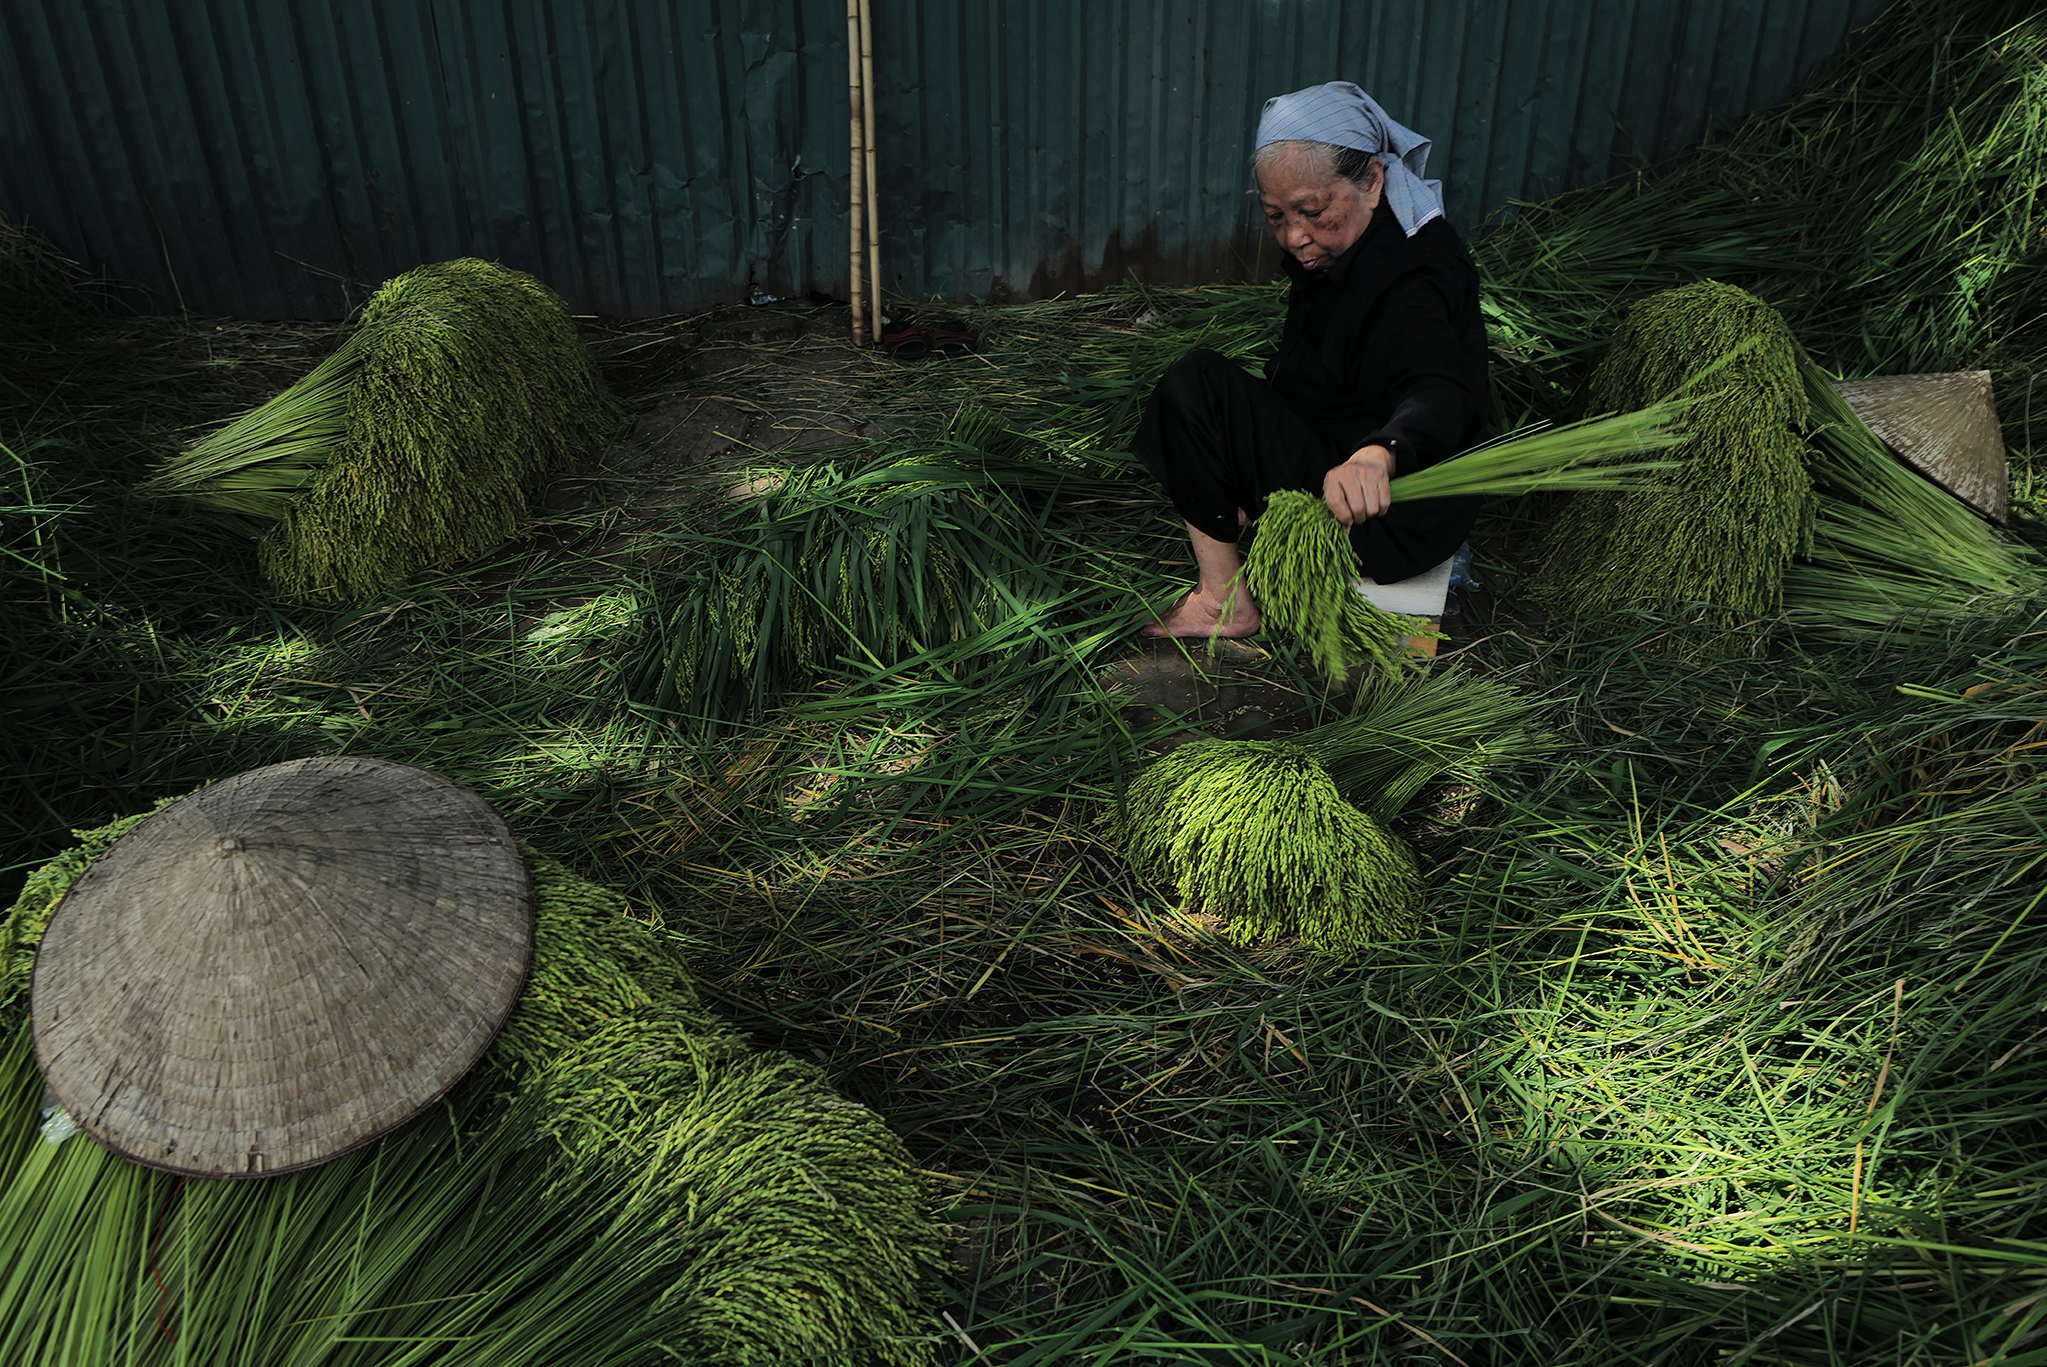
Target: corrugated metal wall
(270, 159)
(251, 157)
(1057, 142)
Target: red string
(156, 1242)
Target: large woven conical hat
(282, 966)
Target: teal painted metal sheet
(647, 156)
(270, 160)
(1058, 143)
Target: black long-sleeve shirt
(1385, 345)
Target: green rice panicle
(1302, 572)
(1721, 530)
(1255, 833)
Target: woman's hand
(1361, 487)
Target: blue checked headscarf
(1346, 116)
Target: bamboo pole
(855, 195)
(872, 184)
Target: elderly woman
(1381, 369)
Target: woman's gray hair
(1324, 159)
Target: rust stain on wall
(1248, 256)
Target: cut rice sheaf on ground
(623, 1180)
(1720, 531)
(1255, 833)
(421, 443)
(474, 391)
(1285, 840)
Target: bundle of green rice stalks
(1301, 572)
(1304, 577)
(622, 1181)
(1891, 551)
(1719, 530)
(1269, 836)
(858, 562)
(421, 442)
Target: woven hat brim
(282, 967)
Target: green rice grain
(1256, 833)
(1720, 530)
(421, 443)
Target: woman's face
(1316, 216)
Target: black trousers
(1219, 439)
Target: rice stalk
(1110, 385)
(1582, 1121)
(1892, 550)
(257, 466)
(1558, 277)
(1303, 573)
(1406, 732)
(420, 443)
(877, 563)
(35, 549)
(1721, 530)
(41, 289)
(1153, 1133)
(1541, 458)
(623, 1180)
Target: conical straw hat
(1945, 427)
(283, 966)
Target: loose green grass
(871, 556)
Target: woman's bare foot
(1231, 615)
(1218, 604)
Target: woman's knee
(1193, 383)
(1201, 366)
